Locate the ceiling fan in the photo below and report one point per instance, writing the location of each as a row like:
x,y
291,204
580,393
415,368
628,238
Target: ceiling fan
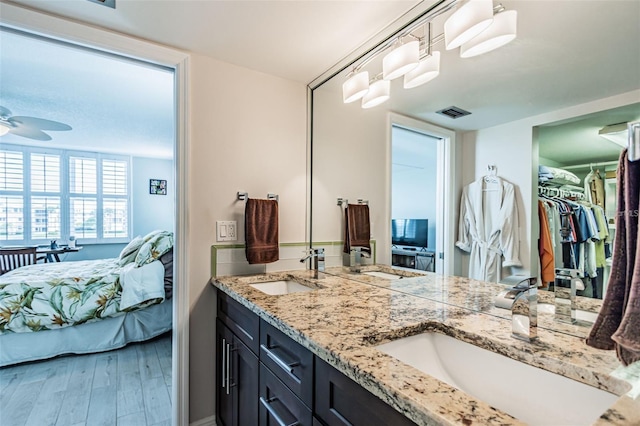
x,y
28,127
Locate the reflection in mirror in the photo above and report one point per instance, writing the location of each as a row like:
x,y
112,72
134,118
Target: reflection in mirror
x,y
522,97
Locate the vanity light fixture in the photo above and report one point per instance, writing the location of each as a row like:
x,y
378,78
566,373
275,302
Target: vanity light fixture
x,y
379,92
427,70
473,27
402,59
501,31
468,21
356,86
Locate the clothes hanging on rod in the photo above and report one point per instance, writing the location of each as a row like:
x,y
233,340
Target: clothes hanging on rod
x,y
594,188
488,227
618,321
577,233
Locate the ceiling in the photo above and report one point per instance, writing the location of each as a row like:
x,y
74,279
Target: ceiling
x,y
567,52
296,40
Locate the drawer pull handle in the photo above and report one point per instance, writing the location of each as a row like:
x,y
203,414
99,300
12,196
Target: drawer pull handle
x,y
267,404
228,366
286,366
223,364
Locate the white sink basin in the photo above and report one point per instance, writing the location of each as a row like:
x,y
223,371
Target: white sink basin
x,y
384,275
548,308
278,288
532,395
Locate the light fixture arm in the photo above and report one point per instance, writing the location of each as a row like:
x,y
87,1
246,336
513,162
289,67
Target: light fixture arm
x,y
442,7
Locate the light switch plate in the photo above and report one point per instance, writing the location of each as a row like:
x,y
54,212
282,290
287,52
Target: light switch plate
x,y
226,230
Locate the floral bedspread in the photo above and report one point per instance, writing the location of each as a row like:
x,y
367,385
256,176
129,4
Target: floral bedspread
x,y
55,295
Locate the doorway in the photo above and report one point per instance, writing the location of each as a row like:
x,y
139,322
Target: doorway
x,y
420,172
155,161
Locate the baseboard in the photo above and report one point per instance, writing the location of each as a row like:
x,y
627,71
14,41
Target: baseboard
x,y
207,421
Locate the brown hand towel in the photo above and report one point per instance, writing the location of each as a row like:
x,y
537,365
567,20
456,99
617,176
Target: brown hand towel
x,y
261,231
357,227
618,323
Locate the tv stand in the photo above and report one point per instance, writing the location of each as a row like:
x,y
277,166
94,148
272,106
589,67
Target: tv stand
x,y
411,257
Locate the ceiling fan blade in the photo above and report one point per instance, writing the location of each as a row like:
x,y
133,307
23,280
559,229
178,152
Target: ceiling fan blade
x,y
5,112
41,123
30,132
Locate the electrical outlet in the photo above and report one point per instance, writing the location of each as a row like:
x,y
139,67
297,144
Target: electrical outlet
x,y
226,230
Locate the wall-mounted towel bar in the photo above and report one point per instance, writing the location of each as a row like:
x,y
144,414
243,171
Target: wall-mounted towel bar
x,y
345,202
244,196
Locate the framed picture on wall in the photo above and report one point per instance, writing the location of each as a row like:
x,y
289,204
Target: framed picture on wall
x,y
157,187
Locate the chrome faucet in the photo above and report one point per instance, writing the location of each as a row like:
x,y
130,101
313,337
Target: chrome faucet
x,y
564,289
524,311
355,258
318,259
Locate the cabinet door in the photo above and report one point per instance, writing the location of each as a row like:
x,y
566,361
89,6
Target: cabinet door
x,y
341,401
244,382
224,396
237,370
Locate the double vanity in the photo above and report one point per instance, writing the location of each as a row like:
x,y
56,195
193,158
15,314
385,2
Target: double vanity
x,y
339,347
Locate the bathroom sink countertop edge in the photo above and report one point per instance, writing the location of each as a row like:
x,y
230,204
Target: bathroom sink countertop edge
x,y
342,320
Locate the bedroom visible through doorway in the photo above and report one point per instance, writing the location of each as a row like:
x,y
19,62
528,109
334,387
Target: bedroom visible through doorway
x,y
103,179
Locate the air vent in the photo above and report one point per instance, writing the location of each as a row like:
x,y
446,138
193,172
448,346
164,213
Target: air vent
x,y
109,3
453,112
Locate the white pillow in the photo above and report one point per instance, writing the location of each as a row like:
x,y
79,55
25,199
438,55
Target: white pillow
x,y
129,253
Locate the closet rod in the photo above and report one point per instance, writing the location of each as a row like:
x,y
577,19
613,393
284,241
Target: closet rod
x,y
587,165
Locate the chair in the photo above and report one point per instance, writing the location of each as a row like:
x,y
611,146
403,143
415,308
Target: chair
x,y
12,258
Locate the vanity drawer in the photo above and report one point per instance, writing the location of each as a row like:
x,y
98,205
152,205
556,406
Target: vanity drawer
x,y
288,360
341,401
278,405
240,320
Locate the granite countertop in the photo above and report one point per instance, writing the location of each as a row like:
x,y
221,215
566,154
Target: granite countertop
x,y
345,317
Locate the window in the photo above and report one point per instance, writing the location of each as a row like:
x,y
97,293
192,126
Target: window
x,y
52,194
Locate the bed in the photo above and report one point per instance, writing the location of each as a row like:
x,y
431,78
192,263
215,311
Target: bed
x,y
87,306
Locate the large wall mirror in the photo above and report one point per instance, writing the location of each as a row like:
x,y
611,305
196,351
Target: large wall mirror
x,y
542,99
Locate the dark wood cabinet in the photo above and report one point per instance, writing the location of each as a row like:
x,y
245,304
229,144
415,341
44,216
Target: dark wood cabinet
x,y
263,377
341,401
237,380
278,404
288,361
237,364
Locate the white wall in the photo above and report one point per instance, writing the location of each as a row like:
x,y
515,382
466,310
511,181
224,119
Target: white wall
x,y
351,159
248,133
512,148
151,212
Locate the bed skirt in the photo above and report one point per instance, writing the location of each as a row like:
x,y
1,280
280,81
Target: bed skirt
x,y
99,336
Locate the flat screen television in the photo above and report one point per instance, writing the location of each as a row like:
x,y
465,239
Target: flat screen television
x,y
410,232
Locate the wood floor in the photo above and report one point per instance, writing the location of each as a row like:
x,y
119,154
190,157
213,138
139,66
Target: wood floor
x,y
128,386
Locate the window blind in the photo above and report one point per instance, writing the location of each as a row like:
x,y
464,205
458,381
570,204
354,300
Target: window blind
x,y
48,194
11,171
45,173
114,177
83,176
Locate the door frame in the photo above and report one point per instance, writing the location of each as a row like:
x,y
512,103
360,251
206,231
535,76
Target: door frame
x,y
445,208
56,28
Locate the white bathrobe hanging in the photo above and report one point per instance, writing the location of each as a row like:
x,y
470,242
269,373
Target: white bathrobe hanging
x,y
488,227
